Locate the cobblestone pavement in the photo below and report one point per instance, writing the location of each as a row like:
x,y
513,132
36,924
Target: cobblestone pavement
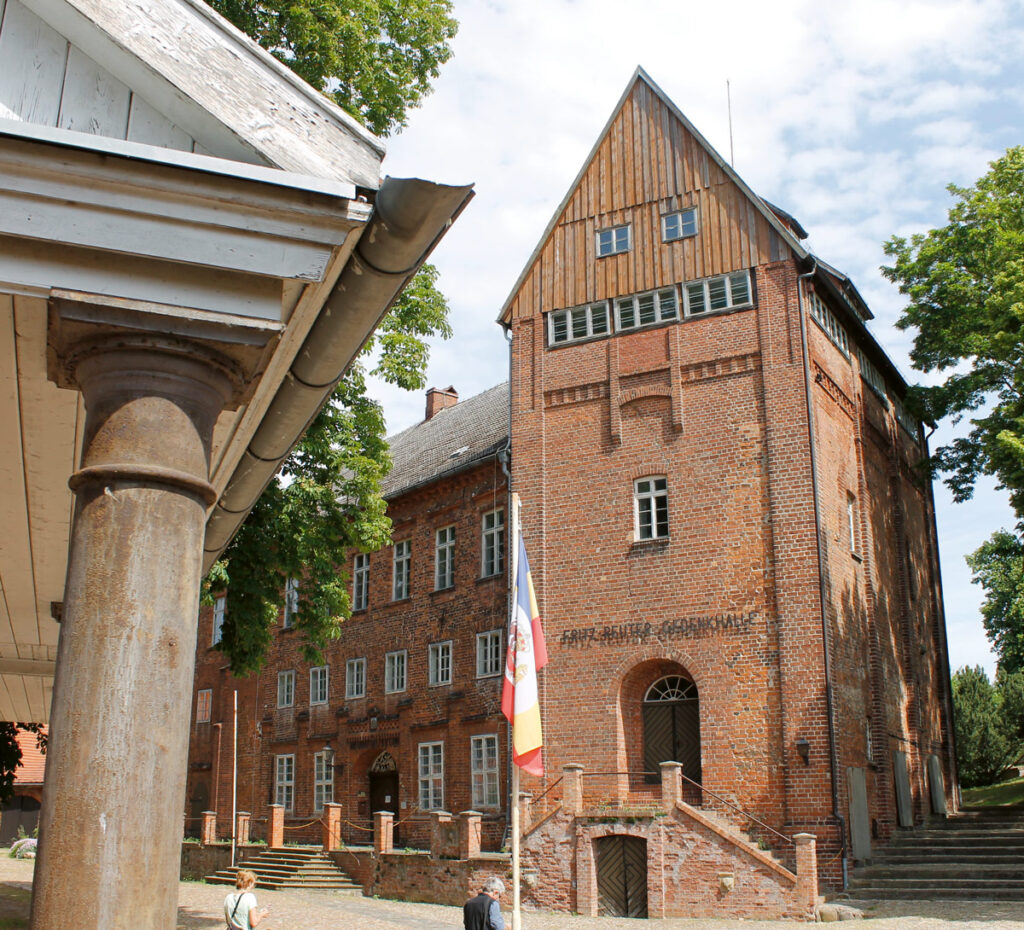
x,y
200,907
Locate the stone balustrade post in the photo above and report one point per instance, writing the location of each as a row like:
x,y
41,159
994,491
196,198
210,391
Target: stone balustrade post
x,y
243,821
806,871
525,811
572,788
671,784
439,821
469,834
275,827
208,831
332,826
383,832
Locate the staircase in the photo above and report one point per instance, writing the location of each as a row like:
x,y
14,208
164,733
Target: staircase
x,y
290,867
976,855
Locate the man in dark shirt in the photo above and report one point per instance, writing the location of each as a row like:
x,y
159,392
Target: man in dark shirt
x,y
483,911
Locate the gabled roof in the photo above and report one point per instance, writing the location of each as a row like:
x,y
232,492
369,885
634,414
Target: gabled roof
x,y
639,76
450,441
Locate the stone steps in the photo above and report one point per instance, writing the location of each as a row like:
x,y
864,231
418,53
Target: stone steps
x,y
290,867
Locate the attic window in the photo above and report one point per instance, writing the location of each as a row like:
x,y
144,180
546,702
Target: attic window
x,y
679,225
460,451
613,240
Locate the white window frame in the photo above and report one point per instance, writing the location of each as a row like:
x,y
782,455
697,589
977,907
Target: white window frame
x,y
663,307
851,520
439,663
291,602
488,653
829,323
483,764
284,781
220,611
204,705
647,493
492,543
323,780
355,678
430,769
319,684
286,688
731,284
396,671
610,241
444,558
579,323
360,581
401,570
687,224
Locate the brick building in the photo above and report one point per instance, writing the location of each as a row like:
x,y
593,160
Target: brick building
x,y
735,560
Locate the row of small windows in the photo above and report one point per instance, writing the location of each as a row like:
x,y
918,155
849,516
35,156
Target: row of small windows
x,y
614,240
483,767
723,292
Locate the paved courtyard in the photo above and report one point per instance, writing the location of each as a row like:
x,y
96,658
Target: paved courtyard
x,y
200,907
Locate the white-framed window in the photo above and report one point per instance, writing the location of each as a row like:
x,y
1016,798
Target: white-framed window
x,y
291,602
679,225
905,420
646,309
488,654
355,678
400,570
204,703
492,543
444,558
724,292
483,765
318,681
829,322
285,688
220,611
613,240
323,780
851,520
394,671
439,663
284,782
870,373
360,581
431,776
650,510
578,323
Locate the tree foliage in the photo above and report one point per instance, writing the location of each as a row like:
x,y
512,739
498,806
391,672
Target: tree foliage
x,y
998,566
376,58
10,752
989,723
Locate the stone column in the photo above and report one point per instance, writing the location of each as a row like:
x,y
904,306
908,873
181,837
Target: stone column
x,y
572,788
243,820
332,826
116,765
671,784
275,827
208,831
383,832
469,834
806,871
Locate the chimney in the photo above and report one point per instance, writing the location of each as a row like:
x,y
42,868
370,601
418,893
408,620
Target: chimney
x,y
438,399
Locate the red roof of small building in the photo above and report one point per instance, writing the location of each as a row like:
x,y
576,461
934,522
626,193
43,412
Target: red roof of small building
x,y
33,762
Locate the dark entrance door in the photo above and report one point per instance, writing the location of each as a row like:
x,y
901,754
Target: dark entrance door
x,y
384,786
672,727
621,876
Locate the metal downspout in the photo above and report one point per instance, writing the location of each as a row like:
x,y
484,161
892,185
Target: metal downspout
x,y
822,594
505,457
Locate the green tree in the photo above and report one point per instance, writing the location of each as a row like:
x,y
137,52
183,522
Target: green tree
x,y
998,566
10,752
376,58
985,741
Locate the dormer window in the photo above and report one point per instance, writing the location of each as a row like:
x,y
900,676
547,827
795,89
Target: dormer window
x,y
613,240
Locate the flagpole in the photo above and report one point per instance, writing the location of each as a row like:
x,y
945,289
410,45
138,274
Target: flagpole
x,y
514,800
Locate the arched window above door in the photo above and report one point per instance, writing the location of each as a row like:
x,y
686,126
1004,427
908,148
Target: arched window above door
x,y
671,688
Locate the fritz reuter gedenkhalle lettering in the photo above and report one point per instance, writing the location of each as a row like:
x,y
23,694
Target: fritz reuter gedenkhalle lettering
x,y
680,628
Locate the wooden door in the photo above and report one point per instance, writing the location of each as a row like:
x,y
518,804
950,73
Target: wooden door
x,y
621,876
672,734
384,794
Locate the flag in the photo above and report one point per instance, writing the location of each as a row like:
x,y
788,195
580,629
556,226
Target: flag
x,y
527,655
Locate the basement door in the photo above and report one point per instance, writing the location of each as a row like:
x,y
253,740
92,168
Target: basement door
x,y
621,876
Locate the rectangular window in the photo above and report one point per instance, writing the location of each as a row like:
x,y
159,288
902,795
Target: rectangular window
x,y
679,225
220,610
851,520
483,763
488,654
613,240
439,663
284,782
318,685
360,581
493,543
444,558
829,322
578,323
394,672
905,420
431,776
291,602
323,780
355,678
204,700
873,377
646,309
725,292
285,689
401,568
650,496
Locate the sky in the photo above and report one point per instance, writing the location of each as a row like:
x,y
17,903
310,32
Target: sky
x,y
852,116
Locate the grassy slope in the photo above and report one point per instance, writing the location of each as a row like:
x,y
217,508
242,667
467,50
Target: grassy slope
x,y
1005,794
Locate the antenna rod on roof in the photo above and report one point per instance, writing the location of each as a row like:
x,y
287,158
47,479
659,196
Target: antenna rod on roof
x,y
728,98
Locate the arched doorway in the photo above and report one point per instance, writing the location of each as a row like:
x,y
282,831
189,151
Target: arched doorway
x,y
621,876
384,786
671,712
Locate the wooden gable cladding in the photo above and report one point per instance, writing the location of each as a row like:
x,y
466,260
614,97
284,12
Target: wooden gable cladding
x,y
646,164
